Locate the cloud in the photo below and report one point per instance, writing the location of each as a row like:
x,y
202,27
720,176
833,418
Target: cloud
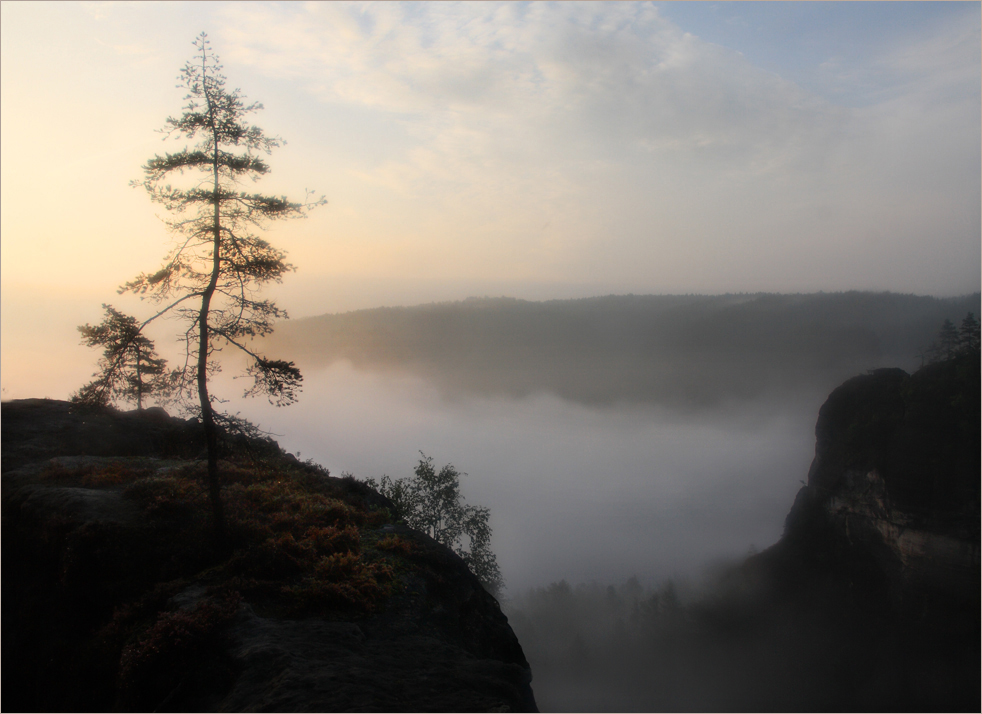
x,y
938,63
587,75
99,9
631,138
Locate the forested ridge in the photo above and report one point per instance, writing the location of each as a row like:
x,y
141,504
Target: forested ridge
x,y
685,351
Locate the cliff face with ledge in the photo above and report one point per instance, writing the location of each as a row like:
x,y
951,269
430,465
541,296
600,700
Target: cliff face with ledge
x,y
895,483
882,543
115,597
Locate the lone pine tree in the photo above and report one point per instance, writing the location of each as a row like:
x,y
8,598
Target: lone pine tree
x,y
211,278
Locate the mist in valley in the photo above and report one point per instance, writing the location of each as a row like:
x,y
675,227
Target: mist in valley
x,y
575,492
610,437
633,451
582,500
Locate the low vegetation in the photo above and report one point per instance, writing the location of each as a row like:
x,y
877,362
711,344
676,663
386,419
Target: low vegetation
x,y
158,595
430,501
297,538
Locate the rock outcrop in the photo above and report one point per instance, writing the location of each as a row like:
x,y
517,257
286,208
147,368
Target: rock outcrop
x,y
882,543
895,482
113,598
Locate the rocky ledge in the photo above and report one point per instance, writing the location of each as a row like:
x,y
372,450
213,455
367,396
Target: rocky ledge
x,y
896,479
114,597
881,546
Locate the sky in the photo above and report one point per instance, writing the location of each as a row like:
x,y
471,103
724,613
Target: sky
x,y
537,150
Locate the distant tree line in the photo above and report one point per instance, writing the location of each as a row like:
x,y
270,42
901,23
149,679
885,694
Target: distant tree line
x,y
734,646
691,352
953,341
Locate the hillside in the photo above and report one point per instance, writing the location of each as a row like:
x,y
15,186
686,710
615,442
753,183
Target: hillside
x,y
687,352
116,597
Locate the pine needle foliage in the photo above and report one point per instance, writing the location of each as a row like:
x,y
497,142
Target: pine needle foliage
x,y
129,369
953,341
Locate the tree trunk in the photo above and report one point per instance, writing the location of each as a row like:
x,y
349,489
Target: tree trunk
x,y
207,413
139,383
208,422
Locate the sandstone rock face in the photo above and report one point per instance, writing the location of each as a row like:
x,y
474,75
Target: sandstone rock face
x,y
915,559
74,553
35,430
882,544
895,482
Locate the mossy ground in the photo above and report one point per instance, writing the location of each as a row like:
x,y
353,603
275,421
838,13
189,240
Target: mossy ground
x,y
298,543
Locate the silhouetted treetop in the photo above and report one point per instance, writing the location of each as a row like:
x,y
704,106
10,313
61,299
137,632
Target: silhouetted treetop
x,y
129,369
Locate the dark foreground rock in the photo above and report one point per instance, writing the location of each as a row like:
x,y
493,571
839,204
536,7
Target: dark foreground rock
x,y
115,599
38,429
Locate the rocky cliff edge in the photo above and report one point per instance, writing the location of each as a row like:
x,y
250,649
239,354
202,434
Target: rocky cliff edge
x,y
880,555
116,598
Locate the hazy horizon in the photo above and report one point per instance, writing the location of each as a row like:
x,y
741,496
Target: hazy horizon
x,y
536,150
42,356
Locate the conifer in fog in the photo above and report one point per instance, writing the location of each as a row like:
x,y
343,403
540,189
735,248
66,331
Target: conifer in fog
x,y
968,334
211,278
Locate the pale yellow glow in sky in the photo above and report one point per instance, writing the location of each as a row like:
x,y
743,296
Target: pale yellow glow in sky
x,y
542,151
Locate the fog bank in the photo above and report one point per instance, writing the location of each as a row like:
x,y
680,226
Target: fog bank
x,y
575,492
